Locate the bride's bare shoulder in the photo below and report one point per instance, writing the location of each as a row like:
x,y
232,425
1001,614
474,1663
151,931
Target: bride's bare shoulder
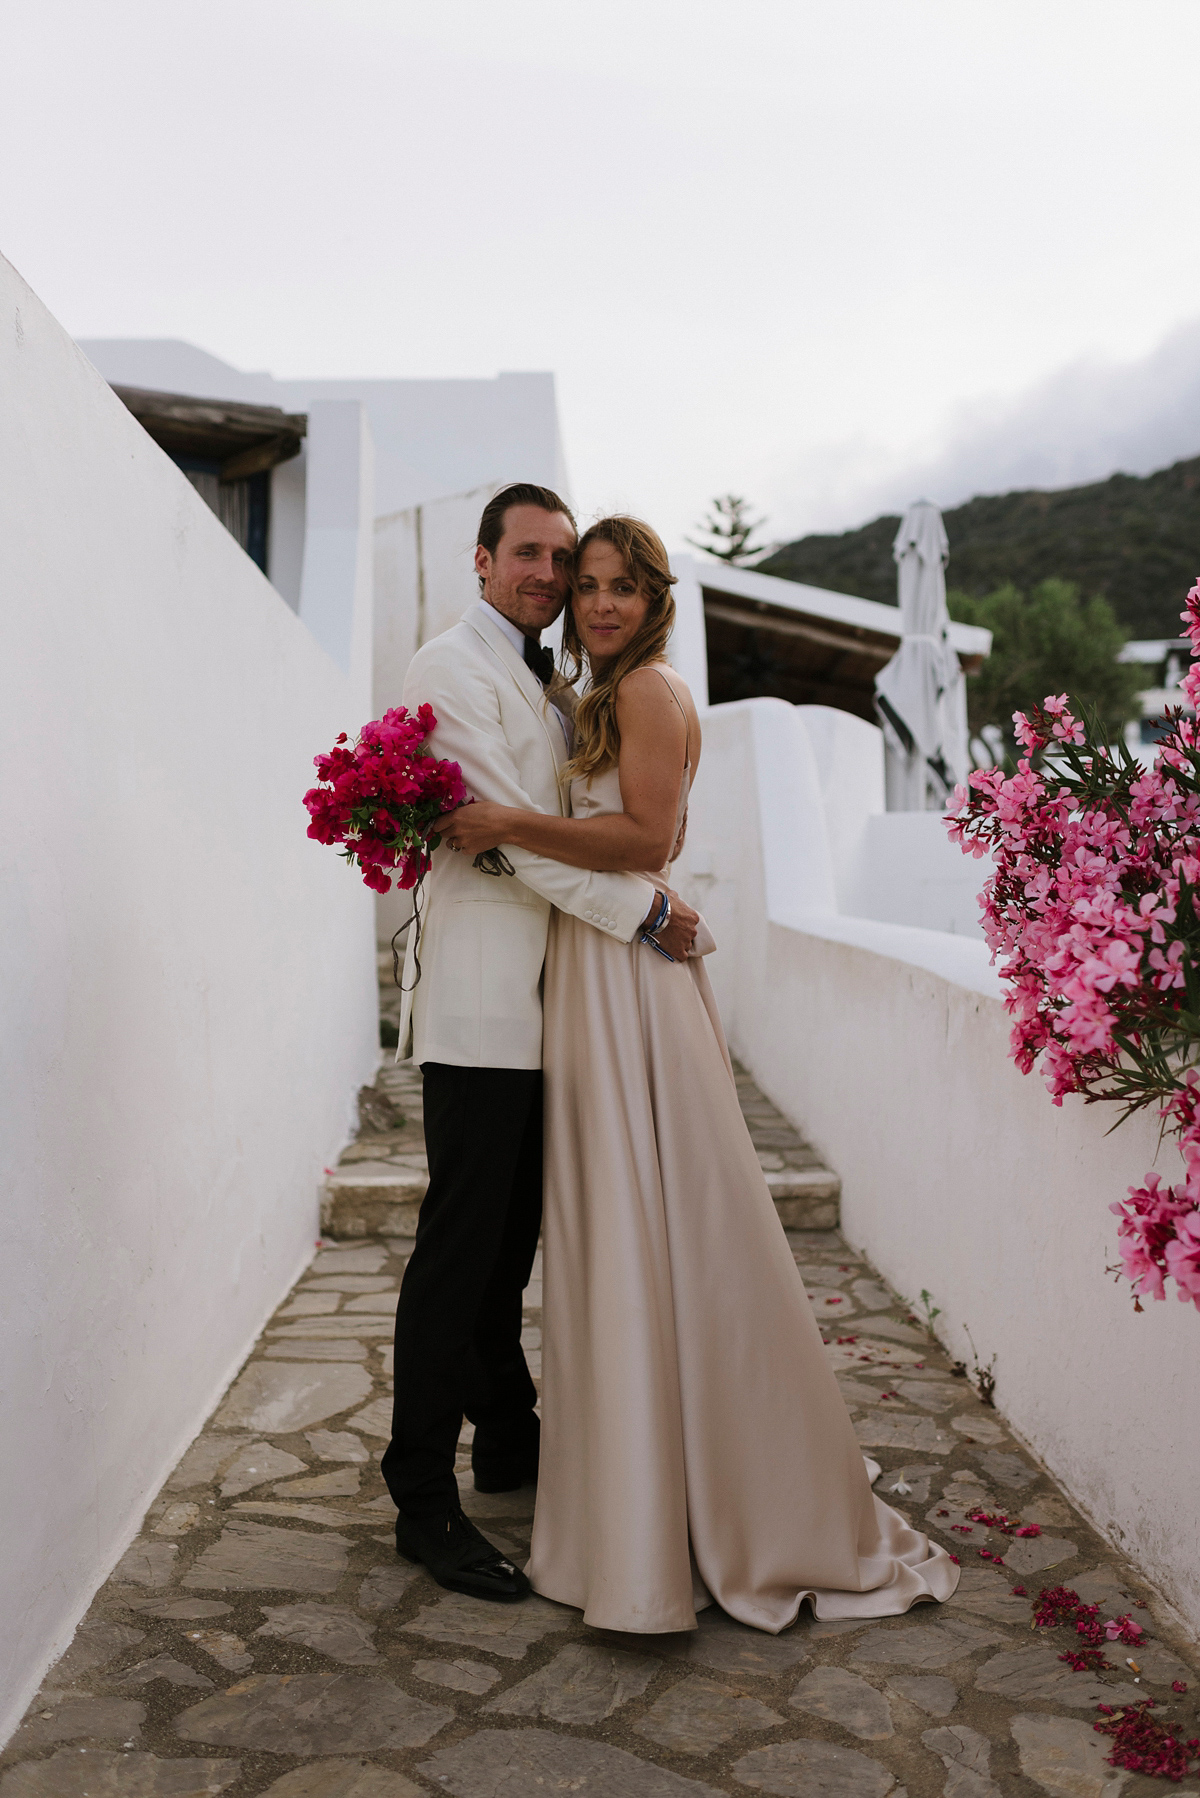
x,y
656,692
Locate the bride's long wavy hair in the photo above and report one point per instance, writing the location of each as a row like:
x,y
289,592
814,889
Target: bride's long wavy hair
x,y
597,737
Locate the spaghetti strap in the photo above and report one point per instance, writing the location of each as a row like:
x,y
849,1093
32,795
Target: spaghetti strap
x,y
687,729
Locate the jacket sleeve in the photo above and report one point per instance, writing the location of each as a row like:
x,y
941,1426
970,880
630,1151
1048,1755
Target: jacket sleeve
x,y
469,731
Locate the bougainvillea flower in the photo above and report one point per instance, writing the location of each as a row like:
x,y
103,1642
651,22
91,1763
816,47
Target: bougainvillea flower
x,y
380,796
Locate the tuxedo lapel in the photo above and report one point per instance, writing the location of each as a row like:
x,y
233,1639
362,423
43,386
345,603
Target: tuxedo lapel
x,y
526,681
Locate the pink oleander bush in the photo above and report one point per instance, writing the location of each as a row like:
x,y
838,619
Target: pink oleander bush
x,y
1094,908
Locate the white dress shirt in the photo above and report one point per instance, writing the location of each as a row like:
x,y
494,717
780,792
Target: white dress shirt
x,y
516,637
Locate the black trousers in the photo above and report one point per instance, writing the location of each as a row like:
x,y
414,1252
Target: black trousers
x,y
458,1321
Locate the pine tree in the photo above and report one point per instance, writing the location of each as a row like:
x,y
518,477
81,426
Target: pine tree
x,y
729,529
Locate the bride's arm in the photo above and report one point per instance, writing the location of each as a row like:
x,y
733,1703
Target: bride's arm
x,y
653,738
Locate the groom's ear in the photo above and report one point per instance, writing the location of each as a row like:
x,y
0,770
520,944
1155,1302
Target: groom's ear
x,y
483,564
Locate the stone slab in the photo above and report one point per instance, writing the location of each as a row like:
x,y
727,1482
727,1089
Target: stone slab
x,y
309,1348
517,1763
861,1354
329,1628
583,1684
352,1283
253,1557
311,1304
966,1756
299,1509
349,1261
846,1698
813,1770
926,1644
342,1779
830,1307
337,1445
732,1647
281,1396
910,1482
931,1395
889,1429
974,1427
698,1715
79,1717
1006,1470
313,1713
457,1676
344,1483
97,1773
333,1329
256,1465
95,1644
205,1459
895,1332
384,1587
178,1519
374,1419
1030,1554
504,1630
227,1650
146,1564
930,1692
989,1594
1065,1757
1034,1672
168,1669
874,1295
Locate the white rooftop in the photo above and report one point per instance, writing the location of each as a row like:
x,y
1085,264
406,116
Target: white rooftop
x,y
821,603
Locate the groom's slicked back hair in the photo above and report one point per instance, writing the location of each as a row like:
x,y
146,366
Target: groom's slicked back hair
x,y
520,493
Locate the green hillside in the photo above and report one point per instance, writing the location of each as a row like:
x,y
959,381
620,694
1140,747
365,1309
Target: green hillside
x,y
1134,538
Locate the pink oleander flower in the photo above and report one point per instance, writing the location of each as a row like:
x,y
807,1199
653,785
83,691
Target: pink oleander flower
x,y
1092,912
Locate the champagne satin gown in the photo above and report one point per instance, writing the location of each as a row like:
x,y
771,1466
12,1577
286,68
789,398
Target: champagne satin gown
x,y
695,1445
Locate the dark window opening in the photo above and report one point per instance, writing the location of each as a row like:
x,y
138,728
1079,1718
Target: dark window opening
x,y
244,507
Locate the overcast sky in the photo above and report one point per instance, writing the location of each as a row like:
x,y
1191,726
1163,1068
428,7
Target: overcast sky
x,y
830,253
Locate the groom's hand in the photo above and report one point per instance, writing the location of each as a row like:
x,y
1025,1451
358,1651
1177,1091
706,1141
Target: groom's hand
x,y
680,933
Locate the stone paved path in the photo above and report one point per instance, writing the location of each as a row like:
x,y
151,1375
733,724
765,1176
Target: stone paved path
x,y
262,1635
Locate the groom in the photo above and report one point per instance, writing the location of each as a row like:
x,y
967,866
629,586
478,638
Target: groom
x,y
476,1021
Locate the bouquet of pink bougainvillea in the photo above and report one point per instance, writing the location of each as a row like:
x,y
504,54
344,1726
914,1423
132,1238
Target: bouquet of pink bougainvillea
x,y
1094,904
378,796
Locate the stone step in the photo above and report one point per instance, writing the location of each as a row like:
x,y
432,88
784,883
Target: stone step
x,y
806,1198
371,1199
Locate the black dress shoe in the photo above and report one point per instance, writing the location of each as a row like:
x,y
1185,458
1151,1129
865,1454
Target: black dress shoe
x,y
458,1557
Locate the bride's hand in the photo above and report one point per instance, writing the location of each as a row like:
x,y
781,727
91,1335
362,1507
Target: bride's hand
x,y
472,828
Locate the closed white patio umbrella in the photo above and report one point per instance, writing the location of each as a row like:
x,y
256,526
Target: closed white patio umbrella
x,y
921,695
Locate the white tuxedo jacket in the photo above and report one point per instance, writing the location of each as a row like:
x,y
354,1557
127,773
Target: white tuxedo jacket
x,y
483,938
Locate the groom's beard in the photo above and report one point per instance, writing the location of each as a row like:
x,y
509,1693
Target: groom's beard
x,y
531,608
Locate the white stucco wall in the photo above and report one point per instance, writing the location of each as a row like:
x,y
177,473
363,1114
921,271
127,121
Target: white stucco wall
x,y
888,1046
187,982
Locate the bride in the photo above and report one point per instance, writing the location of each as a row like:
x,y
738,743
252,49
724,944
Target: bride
x,y
695,1445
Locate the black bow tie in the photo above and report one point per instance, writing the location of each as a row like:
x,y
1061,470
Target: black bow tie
x,y
540,660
